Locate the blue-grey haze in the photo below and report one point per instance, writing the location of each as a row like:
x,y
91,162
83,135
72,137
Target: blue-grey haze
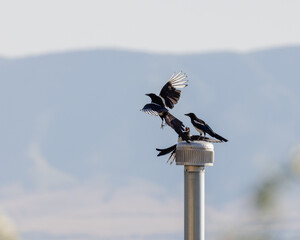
x,y
83,109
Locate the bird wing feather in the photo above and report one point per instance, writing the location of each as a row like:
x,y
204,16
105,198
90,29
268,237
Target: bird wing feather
x,y
177,125
170,92
153,109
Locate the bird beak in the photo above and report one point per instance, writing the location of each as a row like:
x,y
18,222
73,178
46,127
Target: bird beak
x,y
147,94
186,114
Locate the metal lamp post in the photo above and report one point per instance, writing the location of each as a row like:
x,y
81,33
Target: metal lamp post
x,y
194,156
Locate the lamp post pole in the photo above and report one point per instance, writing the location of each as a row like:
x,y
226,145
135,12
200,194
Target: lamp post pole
x,y
194,156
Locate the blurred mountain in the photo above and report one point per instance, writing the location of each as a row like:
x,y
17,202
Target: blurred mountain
x,y
75,116
82,108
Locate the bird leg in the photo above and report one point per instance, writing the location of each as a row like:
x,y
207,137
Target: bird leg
x,y
162,124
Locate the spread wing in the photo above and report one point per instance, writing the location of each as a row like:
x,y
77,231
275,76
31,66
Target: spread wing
x,y
153,109
170,92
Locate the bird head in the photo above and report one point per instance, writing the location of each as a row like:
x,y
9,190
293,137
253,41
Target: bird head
x,y
191,115
151,95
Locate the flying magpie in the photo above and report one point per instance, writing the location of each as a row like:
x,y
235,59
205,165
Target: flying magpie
x,y
204,128
168,96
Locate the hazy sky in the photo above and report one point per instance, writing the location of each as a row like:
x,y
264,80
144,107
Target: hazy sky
x,y
34,26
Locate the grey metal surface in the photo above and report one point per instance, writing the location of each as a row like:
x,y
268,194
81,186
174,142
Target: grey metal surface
x,y
191,203
194,156
202,202
197,153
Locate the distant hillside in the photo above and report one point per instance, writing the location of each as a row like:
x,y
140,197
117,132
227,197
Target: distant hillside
x,y
80,112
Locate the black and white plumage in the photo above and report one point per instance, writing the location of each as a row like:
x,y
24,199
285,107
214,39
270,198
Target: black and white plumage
x,y
176,124
154,109
173,122
168,150
204,128
169,94
172,149
198,137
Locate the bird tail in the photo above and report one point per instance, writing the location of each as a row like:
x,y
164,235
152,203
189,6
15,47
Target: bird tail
x,y
220,138
166,150
205,139
172,157
171,150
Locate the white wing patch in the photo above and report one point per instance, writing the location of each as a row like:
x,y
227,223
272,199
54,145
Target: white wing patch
x,y
163,100
199,130
198,122
149,111
178,80
153,109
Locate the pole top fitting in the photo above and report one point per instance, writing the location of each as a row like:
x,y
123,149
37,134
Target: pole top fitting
x,y
196,153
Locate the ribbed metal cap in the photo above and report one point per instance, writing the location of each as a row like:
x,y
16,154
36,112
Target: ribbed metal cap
x,y
197,153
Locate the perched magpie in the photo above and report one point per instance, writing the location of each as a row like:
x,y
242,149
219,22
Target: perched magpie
x,y
168,96
172,149
204,128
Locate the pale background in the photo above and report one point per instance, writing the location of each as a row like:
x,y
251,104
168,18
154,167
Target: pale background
x,y
35,27
78,159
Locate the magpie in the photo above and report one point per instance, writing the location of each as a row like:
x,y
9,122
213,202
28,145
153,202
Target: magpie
x,y
204,128
168,96
177,125
173,122
172,149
